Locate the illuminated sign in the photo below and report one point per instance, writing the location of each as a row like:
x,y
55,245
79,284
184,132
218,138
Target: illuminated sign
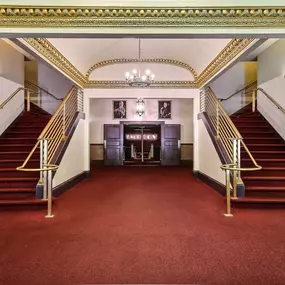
x,y
138,137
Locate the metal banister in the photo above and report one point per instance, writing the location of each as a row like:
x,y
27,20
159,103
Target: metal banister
x,y
230,138
29,92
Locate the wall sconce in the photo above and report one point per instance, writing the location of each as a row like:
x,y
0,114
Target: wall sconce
x,y
140,107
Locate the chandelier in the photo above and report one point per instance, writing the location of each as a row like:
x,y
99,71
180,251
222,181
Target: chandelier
x,y
136,79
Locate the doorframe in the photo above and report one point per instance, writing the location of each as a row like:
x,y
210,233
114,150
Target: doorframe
x,y
123,123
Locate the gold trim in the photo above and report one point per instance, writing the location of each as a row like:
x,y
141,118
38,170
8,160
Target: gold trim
x,y
51,54
156,84
59,16
144,60
232,49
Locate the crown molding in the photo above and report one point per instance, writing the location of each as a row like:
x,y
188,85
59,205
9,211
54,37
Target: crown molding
x,y
52,55
232,49
145,60
78,17
156,84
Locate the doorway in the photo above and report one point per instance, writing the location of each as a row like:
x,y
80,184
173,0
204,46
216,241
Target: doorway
x,y
142,144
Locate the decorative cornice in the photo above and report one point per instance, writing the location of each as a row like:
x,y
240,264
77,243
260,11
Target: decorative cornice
x,y
233,48
144,60
76,17
51,54
156,84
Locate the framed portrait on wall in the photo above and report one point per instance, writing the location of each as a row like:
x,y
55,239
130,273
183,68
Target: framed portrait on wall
x,y
164,109
119,109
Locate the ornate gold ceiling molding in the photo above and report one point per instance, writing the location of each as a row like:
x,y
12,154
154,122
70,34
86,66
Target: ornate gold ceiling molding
x,y
58,16
145,60
233,48
156,84
51,54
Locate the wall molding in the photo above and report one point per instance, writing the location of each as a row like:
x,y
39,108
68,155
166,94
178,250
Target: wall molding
x,y
54,56
217,186
144,60
141,17
70,183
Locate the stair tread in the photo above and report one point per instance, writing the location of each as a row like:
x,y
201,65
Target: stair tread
x,y
259,200
265,188
265,159
264,151
22,201
263,177
18,190
8,179
17,160
266,144
16,152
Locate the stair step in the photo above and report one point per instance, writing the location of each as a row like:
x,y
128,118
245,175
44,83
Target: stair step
x,y
15,182
265,153
259,200
24,140
17,154
16,162
265,146
260,140
30,201
14,147
18,190
268,171
263,181
264,162
13,172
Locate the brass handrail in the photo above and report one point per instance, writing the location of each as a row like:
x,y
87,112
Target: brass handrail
x,y
2,105
231,139
271,99
237,92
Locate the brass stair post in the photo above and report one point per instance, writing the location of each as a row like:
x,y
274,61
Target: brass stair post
x,y
49,192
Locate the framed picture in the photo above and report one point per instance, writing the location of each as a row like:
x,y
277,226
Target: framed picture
x,y
164,109
119,109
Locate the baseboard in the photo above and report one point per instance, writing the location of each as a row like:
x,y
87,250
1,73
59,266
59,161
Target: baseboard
x,y
97,162
217,186
65,186
186,162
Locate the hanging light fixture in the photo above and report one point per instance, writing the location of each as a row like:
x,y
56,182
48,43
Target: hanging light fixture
x,y
136,79
140,107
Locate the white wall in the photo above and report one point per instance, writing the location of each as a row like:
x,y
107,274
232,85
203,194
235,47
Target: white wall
x,y
73,161
271,71
55,83
209,161
227,84
11,78
101,113
147,94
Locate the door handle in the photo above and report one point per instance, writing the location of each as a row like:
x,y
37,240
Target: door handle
x,y
104,143
179,143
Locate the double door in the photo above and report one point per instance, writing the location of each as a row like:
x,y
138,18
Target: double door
x,y
114,144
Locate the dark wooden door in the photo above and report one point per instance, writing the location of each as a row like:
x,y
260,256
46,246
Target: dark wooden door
x,y
170,144
113,148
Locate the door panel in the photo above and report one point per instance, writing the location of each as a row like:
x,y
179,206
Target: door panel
x,y
170,144
113,150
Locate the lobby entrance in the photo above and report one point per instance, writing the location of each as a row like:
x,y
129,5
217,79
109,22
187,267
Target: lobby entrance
x,y
142,143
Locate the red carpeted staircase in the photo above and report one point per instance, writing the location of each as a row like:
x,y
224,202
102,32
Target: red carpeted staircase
x,y
266,186
18,188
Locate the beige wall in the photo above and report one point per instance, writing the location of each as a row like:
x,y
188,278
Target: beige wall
x,y
73,160
209,161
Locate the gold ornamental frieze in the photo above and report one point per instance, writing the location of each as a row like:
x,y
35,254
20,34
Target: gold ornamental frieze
x,y
57,16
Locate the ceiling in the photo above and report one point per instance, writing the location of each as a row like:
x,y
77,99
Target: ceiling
x,y
84,53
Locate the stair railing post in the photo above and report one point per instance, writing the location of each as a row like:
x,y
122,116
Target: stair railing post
x,y
64,123
228,194
49,200
41,161
218,122
28,100
235,162
253,100
238,160
45,162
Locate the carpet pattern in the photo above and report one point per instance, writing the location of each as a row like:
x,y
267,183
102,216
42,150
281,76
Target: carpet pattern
x,y
142,225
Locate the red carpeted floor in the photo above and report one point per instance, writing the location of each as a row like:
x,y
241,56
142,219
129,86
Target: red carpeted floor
x,y
142,225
